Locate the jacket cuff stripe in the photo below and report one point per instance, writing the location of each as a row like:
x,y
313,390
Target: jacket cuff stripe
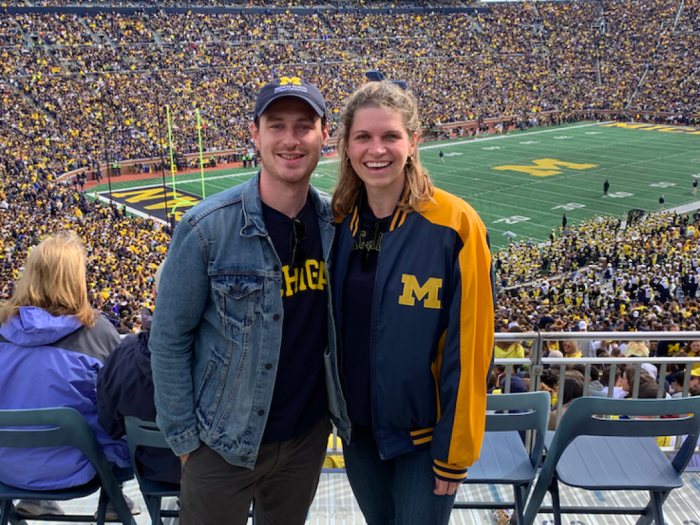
x,y
449,466
422,431
446,476
456,471
420,441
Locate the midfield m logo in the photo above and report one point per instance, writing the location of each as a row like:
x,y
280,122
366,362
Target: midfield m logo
x,y
545,167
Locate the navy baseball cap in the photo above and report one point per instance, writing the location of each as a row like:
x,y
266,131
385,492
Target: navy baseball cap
x,y
290,87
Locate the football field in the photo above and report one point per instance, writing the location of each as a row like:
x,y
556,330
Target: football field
x,y
520,183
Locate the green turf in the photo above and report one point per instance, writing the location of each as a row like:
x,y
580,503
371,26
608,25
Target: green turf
x,y
641,165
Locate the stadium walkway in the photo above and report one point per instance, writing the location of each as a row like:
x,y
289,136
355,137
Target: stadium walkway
x,y
335,504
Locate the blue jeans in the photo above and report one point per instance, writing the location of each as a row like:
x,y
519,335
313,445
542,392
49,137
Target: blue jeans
x,y
397,491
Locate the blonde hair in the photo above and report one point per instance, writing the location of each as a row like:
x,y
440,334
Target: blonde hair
x,y
637,348
54,280
573,345
389,96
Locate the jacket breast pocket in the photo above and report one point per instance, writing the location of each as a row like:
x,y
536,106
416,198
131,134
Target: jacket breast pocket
x,y
237,297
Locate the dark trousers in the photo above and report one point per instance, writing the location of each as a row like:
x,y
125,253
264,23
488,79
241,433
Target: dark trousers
x,y
283,483
397,491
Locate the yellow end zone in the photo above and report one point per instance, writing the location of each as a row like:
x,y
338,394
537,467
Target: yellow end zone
x,y
653,127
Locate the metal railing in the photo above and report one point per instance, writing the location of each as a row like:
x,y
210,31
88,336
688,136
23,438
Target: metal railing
x,y
536,364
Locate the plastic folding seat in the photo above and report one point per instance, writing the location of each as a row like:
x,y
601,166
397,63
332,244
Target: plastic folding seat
x,y
59,427
595,452
141,433
504,459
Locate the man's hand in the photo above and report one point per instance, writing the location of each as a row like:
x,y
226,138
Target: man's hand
x,y
443,488
183,458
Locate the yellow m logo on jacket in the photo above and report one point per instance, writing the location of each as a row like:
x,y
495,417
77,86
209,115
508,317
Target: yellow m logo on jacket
x,y
412,291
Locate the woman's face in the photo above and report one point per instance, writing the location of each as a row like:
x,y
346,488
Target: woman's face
x,y
624,384
695,347
568,347
378,146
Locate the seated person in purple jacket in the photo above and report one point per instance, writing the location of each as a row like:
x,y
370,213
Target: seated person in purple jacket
x,y
52,344
125,388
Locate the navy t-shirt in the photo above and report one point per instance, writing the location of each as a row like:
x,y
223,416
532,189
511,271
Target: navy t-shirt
x,y
299,399
358,292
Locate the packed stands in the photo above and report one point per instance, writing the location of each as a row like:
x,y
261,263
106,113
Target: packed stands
x,y
83,74
75,86
123,252
599,271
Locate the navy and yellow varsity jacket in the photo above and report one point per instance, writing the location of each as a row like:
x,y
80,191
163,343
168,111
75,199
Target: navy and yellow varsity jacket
x,y
431,332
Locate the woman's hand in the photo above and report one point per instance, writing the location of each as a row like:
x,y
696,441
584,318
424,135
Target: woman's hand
x,y
445,488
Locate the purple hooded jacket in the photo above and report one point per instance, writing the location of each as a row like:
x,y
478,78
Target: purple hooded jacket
x,y
45,362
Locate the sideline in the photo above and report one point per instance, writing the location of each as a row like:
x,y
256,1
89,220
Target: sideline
x,y
558,129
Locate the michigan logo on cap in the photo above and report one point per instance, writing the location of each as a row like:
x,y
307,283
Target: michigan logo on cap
x,y
290,84
290,80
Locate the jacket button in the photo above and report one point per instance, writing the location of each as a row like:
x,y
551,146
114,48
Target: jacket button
x,y
237,288
268,366
276,317
261,412
244,458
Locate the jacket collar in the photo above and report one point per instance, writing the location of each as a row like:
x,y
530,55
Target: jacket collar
x,y
254,223
397,218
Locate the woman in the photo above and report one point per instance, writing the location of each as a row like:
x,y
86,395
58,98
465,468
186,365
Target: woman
x,y
573,389
627,379
510,349
571,349
414,309
52,345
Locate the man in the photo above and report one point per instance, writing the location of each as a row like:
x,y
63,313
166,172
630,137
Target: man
x,y
695,186
661,203
442,156
242,325
606,187
669,348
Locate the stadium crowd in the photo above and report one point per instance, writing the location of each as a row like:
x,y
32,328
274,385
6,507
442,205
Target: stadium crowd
x,y
123,252
93,83
596,271
642,277
77,85
76,88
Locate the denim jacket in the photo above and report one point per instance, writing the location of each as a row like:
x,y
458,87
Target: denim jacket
x,y
217,327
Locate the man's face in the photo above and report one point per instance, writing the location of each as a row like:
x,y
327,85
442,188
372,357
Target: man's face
x,y
289,137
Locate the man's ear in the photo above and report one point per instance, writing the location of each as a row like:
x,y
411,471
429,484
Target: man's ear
x,y
255,132
325,134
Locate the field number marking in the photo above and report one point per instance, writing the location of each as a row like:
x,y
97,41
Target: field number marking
x,y
620,195
453,154
663,184
570,206
514,219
